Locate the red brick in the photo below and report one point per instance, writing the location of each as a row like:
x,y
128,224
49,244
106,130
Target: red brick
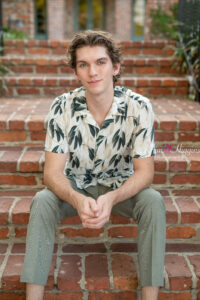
x,y
124,272
186,192
194,159
160,91
96,272
3,233
169,82
3,120
188,137
17,180
181,91
146,70
36,123
112,296
186,122
41,62
69,273
38,136
46,70
5,205
119,220
177,162
13,296
124,247
123,231
17,122
168,122
83,232
72,220
142,82
39,51
190,212
12,136
12,272
20,232
24,81
51,82
185,232
62,296
159,179
84,248
195,261
171,211
174,296
180,277
20,213
3,249
28,91
185,179
160,162
8,161
30,161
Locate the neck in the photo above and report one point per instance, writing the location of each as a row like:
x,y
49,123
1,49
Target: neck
x,y
99,105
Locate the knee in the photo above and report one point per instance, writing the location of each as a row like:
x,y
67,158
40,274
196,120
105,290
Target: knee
x,y
157,201
43,206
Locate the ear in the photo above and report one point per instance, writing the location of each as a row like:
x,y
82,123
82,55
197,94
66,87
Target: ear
x,y
116,68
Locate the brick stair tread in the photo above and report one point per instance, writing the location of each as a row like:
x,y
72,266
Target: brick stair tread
x,y
142,80
102,273
180,209
31,159
177,121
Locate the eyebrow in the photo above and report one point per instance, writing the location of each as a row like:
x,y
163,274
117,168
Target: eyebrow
x,y
84,61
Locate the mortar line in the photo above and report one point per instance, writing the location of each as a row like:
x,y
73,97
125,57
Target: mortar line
x,y
194,277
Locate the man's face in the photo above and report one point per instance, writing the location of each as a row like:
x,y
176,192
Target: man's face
x,y
94,69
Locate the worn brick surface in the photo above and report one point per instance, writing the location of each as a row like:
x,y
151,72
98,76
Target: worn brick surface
x,y
179,274
124,272
69,274
96,272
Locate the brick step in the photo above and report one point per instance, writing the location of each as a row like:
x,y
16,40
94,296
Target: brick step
x,y
182,215
43,48
57,65
22,167
177,122
40,86
99,271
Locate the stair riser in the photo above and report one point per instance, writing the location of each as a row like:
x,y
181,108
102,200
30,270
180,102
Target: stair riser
x,y
54,87
163,48
59,68
182,217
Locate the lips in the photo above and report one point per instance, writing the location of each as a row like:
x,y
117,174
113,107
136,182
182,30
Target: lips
x,y
94,81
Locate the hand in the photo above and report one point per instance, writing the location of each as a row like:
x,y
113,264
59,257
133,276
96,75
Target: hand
x,y
86,207
104,204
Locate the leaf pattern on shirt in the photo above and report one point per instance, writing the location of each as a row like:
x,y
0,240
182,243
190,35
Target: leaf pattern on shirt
x,y
105,154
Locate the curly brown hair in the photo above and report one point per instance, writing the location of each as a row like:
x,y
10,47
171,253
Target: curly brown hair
x,y
94,38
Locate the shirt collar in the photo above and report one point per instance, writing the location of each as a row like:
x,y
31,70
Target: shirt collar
x,y
118,108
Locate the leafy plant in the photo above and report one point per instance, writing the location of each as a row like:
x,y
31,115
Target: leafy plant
x,y
11,34
165,23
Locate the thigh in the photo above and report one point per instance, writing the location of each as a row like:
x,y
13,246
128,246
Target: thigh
x,y
134,206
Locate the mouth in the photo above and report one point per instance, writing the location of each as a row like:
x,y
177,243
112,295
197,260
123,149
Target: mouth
x,y
94,81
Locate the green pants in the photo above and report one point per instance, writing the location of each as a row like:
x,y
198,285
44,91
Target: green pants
x,y
47,210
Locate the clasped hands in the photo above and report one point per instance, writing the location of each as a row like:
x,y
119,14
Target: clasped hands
x,y
94,213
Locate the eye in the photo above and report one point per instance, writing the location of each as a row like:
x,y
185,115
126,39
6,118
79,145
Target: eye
x,y
101,62
82,65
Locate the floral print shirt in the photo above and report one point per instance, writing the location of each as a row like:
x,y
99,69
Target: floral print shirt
x,y
101,154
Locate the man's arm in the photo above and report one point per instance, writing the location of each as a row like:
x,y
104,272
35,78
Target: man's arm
x,y
140,179
58,183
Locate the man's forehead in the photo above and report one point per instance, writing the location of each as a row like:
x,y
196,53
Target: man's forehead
x,y
97,52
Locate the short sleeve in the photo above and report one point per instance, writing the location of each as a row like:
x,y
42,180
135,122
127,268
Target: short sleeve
x,y
143,139
56,128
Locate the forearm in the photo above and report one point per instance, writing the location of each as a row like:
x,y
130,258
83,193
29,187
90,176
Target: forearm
x,y
136,182
61,186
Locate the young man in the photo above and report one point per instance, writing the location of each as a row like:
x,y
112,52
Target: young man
x,y
106,135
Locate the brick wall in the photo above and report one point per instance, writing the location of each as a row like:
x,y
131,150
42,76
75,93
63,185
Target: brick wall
x,y
19,15
60,17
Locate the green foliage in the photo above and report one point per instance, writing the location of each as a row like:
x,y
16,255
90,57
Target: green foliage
x,y
165,23
11,34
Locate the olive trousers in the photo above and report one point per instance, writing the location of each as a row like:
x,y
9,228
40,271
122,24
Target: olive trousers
x,y
47,210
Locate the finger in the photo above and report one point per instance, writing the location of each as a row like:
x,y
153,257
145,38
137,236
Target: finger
x,y
94,207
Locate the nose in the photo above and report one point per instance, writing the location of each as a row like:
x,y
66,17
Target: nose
x,y
92,70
